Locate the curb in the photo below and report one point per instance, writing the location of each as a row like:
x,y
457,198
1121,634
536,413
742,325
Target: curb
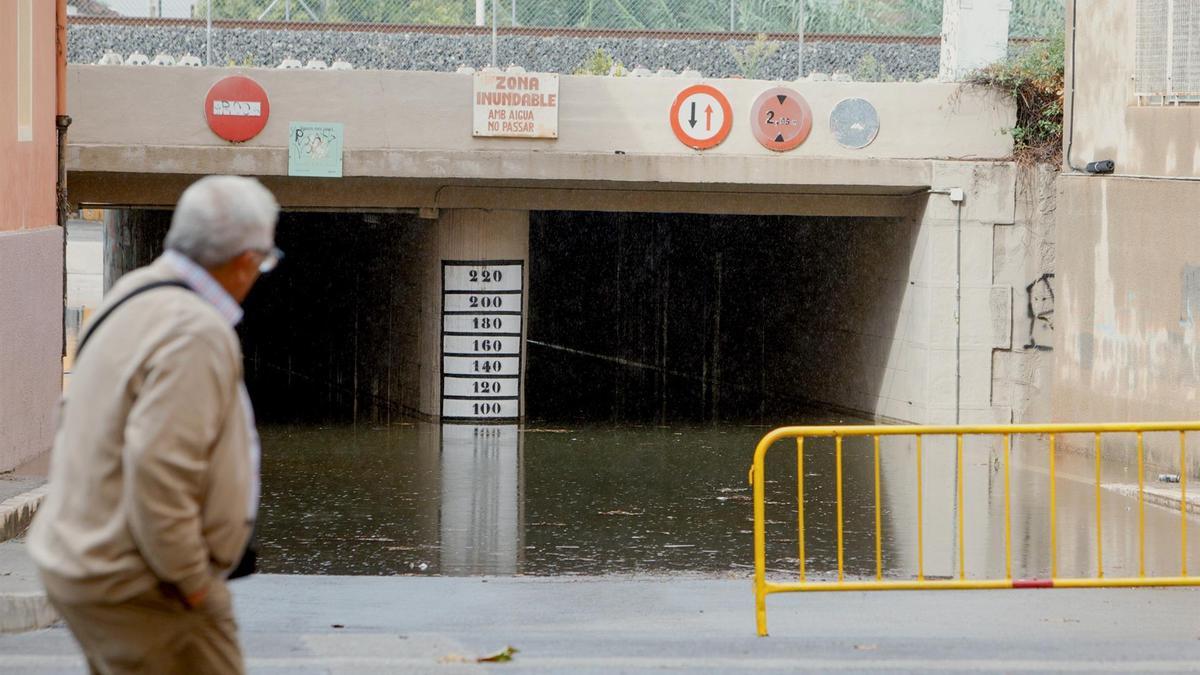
x,y
23,612
27,610
1158,496
17,513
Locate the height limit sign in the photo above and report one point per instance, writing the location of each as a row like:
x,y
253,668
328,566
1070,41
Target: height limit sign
x,y
701,117
780,119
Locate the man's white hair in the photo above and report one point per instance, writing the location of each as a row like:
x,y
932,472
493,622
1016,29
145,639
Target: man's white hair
x,y
219,217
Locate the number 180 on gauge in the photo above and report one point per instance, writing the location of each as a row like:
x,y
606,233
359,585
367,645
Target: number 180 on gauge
x,y
482,339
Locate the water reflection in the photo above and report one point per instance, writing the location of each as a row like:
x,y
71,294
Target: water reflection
x,y
482,524
462,500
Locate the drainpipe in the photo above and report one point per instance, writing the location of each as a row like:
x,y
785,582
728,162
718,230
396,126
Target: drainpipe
x,y
958,311
956,197
61,122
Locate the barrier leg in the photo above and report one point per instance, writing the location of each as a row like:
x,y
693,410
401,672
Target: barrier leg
x,y
760,610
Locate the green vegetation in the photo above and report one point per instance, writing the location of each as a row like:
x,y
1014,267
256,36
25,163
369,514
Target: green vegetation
x,y
750,59
1035,80
869,69
600,63
246,62
1030,18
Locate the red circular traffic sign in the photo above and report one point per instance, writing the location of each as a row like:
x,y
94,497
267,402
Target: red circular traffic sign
x,y
701,117
781,119
237,108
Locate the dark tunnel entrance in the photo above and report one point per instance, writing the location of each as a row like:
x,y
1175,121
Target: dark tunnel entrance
x,y
661,318
658,347
327,334
632,317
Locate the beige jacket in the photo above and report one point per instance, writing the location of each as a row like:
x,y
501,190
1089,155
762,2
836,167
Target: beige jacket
x,y
150,471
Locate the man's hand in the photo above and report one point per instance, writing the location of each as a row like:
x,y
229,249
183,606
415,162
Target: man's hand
x,y
196,599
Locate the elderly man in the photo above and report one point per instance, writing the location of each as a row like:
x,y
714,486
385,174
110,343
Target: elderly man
x,y
154,472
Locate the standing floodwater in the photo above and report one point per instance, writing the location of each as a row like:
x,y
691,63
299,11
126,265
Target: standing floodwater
x,y
579,499
596,499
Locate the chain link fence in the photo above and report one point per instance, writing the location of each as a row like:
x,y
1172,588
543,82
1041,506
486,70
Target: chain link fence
x,y
860,39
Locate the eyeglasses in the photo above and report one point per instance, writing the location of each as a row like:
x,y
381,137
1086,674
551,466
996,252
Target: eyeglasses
x,y
270,261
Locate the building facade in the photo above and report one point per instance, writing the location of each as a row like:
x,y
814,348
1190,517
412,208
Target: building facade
x,y
31,248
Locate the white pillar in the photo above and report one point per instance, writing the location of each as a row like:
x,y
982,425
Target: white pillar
x,y
480,12
464,236
974,35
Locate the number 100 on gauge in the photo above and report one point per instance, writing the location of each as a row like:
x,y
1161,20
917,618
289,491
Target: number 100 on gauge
x,y
482,339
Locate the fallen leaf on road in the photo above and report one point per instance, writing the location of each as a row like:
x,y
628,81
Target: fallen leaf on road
x,y
866,648
455,658
502,656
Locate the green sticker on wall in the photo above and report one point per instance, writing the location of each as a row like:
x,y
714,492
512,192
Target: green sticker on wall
x,y
315,149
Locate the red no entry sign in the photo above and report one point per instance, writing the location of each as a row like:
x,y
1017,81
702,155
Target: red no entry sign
x,y
701,117
780,119
237,108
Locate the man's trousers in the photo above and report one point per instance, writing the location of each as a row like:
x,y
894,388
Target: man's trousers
x,y
155,633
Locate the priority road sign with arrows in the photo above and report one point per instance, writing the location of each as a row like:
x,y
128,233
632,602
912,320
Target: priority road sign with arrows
x,y
780,119
701,117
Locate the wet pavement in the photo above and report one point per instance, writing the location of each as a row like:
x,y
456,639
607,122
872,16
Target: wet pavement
x,y
676,624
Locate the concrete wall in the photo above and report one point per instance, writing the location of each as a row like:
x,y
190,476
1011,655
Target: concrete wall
x,y
415,129
1024,260
31,322
31,259
1125,337
1107,122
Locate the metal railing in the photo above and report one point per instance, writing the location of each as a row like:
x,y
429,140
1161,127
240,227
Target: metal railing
x,y
763,587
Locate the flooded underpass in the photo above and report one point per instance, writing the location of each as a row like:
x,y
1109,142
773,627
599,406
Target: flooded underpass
x,y
660,350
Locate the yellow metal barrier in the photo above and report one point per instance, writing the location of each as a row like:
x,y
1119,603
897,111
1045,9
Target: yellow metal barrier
x,y
763,588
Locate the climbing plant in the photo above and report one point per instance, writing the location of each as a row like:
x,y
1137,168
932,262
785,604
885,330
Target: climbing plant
x,y
1034,78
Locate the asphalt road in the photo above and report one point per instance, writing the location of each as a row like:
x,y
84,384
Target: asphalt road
x,y
678,624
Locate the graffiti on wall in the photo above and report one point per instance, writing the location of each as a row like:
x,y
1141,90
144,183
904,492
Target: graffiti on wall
x,y
1040,307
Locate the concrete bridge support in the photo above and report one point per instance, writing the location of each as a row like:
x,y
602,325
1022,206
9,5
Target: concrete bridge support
x,y
974,35
468,236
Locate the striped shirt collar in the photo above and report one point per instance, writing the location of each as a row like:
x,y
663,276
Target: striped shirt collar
x,y
205,286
